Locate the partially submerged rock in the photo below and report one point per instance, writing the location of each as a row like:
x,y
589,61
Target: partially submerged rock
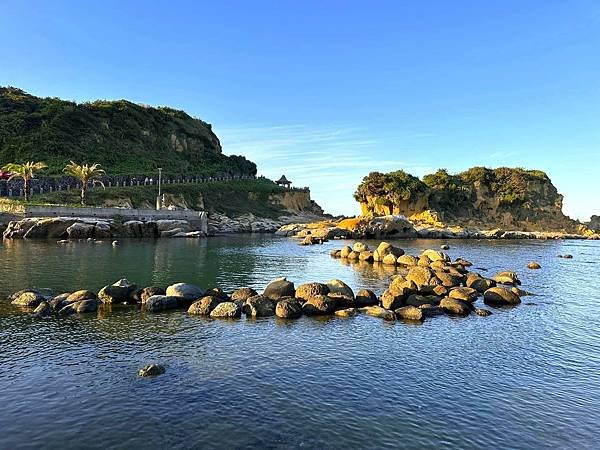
x,y
227,310
288,308
151,370
499,296
279,288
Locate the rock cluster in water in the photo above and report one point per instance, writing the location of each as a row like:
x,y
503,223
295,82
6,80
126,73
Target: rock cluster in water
x,y
74,228
427,285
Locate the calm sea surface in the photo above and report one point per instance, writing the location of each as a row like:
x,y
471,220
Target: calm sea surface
x,y
527,377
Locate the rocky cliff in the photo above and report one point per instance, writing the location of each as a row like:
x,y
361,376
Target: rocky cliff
x,y
509,198
594,224
122,136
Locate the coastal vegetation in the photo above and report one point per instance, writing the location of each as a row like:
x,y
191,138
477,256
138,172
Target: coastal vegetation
x,y
122,136
508,197
25,171
85,173
260,197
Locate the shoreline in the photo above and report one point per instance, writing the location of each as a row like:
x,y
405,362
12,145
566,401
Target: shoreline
x,y
300,227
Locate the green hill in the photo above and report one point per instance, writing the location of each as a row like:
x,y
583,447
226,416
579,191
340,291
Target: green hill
x,y
122,136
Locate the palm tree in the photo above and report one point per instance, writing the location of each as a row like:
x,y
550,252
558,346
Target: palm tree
x,y
25,171
85,174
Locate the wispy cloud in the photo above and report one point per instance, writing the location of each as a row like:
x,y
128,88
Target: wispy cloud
x,y
330,160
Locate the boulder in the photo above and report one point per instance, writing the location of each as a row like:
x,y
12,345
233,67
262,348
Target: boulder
x,y
435,255
243,294
389,260
431,311
463,262
288,308
29,299
400,286
366,256
43,309
307,291
418,300
390,300
319,305
499,296
347,312
419,275
339,287
84,306
353,256
440,291
160,303
407,260
279,288
80,295
119,292
465,294
259,306
335,254
479,283
410,313
219,293
449,280
345,251
185,291
366,297
226,310
378,311
151,370
342,301
81,230
59,301
204,306
507,277
81,306
149,291
455,307
534,265
359,247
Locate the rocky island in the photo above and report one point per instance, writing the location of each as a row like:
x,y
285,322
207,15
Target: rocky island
x,y
477,203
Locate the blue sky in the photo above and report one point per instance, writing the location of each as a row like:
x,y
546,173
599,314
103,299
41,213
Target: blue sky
x,y
326,91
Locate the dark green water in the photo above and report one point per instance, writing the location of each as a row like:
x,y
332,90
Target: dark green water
x,y
526,377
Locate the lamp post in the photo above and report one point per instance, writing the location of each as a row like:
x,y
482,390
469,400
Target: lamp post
x,y
158,199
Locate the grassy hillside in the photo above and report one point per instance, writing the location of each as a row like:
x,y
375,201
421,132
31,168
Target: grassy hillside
x,y
231,198
122,136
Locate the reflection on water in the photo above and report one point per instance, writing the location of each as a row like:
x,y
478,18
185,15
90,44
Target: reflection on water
x,y
523,378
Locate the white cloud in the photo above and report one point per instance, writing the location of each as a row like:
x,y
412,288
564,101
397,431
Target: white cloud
x,y
330,160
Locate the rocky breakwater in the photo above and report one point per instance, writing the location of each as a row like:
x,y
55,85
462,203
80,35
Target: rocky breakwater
x,y
424,225
351,228
91,228
427,285
431,284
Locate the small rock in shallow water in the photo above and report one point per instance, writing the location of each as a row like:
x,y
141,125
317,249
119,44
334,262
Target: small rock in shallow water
x,y
445,247
348,312
483,312
151,370
566,256
43,310
115,243
534,265
288,309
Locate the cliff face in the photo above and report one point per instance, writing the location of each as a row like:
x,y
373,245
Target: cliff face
x,y
594,224
122,136
507,198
